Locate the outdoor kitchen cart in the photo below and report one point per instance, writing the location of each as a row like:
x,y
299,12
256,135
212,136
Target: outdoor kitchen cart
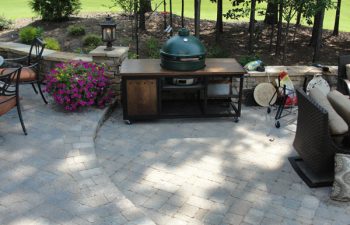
x,y
146,88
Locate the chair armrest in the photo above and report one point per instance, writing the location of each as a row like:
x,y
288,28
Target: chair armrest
x,y
343,86
17,59
15,62
32,66
347,83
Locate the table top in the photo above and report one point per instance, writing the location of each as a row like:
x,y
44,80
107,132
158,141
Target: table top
x,y
1,60
151,67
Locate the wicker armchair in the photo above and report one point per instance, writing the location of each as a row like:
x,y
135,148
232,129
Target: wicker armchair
x,y
314,144
343,81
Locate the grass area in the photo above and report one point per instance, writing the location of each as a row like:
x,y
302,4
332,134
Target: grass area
x,y
11,9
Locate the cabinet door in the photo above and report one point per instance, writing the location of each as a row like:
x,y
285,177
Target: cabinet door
x,y
142,97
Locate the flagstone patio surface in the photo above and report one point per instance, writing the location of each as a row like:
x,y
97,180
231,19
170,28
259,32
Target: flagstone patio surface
x,y
160,172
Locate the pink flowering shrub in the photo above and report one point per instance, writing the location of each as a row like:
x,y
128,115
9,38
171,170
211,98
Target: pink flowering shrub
x,y
77,84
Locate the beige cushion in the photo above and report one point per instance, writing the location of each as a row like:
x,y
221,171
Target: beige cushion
x,y
341,185
336,124
27,74
341,104
348,71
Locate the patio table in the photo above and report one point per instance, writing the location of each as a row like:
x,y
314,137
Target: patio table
x,y
146,90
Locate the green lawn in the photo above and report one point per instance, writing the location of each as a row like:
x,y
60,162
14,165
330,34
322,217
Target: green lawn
x,y
11,9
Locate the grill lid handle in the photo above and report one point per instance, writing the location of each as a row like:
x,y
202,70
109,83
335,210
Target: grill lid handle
x,y
184,32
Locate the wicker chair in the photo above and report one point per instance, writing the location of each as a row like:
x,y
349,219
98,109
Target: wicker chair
x,y
343,81
314,144
9,94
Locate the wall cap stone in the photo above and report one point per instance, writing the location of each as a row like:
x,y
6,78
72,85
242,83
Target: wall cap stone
x,y
293,71
67,56
19,48
117,52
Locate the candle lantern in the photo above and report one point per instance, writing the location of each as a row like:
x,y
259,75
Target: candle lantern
x,y
108,32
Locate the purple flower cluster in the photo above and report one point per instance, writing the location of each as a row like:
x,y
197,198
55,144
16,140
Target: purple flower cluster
x,y
76,84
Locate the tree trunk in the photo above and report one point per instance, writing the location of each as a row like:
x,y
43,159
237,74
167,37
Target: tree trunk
x,y
337,18
272,34
251,25
300,10
197,17
182,13
142,11
271,15
318,38
219,25
148,5
136,26
315,29
279,28
286,37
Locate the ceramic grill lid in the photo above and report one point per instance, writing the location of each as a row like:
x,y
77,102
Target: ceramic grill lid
x,y
183,52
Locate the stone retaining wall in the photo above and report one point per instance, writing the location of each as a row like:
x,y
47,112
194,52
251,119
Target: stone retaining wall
x,y
297,73
51,58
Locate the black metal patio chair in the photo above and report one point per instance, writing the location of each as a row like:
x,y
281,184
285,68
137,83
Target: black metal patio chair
x,y
9,97
31,66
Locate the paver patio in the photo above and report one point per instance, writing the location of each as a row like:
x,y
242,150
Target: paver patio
x,y
52,176
164,172
213,171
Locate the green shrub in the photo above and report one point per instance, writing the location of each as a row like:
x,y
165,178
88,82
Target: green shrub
x,y
76,30
247,58
52,43
28,34
217,52
5,23
152,45
54,10
88,49
92,40
132,55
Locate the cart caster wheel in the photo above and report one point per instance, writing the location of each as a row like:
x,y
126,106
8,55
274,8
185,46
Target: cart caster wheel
x,y
277,124
236,119
128,122
268,110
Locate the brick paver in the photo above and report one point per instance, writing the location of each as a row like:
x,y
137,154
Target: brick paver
x,y
164,172
52,176
213,171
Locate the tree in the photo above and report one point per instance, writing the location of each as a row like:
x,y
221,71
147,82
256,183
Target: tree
x,y
291,7
251,25
243,8
337,18
219,23
128,6
271,14
197,16
279,27
300,12
53,10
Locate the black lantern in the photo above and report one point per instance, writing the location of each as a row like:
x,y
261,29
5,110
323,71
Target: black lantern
x,y
108,32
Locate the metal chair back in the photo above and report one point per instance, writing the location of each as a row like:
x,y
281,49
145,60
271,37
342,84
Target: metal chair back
x,y
9,83
36,51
